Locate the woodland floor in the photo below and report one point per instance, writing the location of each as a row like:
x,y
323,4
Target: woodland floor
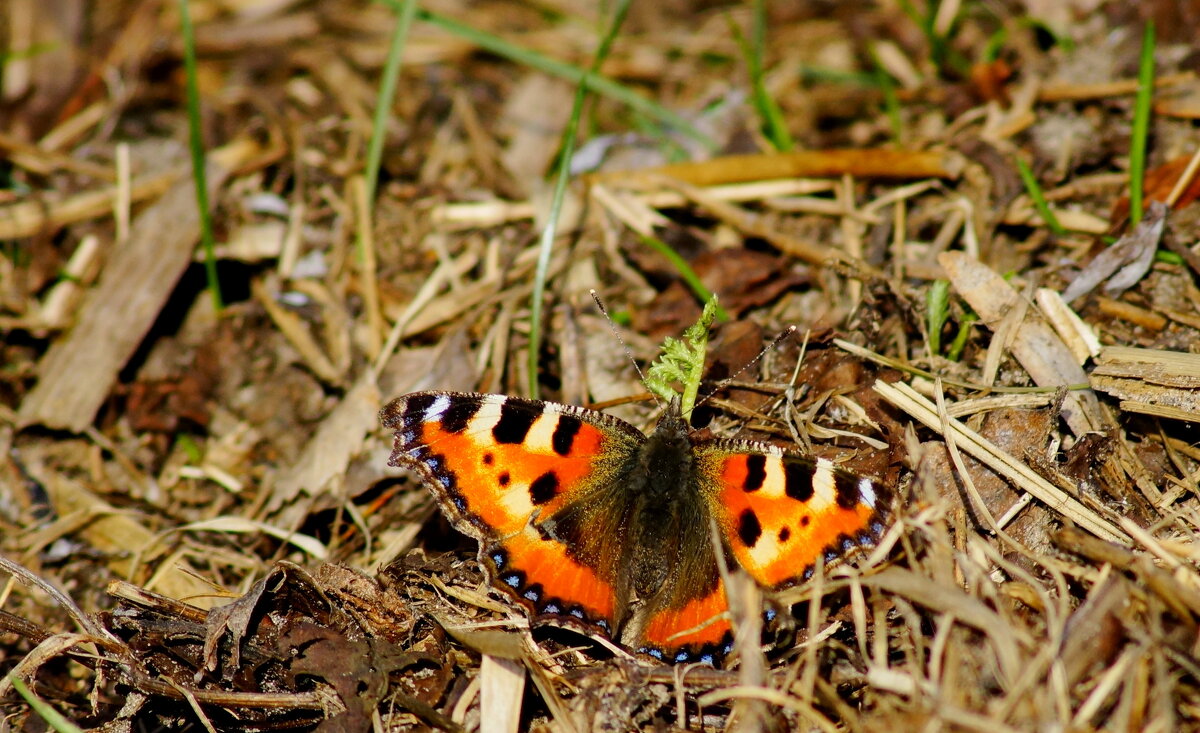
x,y
982,325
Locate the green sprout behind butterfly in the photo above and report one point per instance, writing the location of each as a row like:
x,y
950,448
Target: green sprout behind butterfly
x,y
682,361
938,313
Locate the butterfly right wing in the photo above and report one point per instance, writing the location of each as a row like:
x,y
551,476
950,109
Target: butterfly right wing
x,y
500,467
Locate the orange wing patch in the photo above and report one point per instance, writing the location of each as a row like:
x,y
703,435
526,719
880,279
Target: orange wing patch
x,y
780,512
549,581
502,485
699,630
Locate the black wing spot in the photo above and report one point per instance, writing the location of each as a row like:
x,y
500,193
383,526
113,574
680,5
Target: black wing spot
x,y
514,423
504,478
848,495
797,480
749,529
564,434
488,459
416,406
785,534
805,520
544,488
756,472
460,412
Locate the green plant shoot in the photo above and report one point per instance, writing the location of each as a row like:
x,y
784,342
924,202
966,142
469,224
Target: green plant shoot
x,y
682,362
937,306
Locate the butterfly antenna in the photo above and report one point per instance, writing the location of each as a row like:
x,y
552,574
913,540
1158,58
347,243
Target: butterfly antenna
x,y
789,331
799,360
612,326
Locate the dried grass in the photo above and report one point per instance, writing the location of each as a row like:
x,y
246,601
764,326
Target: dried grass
x,y
176,477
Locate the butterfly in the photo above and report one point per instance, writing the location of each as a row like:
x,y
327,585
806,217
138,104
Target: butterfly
x,y
589,523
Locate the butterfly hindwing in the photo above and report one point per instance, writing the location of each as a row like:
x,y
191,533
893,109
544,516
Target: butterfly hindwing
x,y
699,630
500,466
779,511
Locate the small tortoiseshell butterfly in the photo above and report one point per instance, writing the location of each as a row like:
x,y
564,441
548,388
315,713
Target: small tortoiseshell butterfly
x,y
590,523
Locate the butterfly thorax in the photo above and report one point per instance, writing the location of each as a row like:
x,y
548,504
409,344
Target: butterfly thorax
x,y
665,459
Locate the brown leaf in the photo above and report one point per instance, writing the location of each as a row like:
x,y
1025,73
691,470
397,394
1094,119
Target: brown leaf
x,y
744,279
671,311
349,666
989,80
1015,431
1158,184
1125,262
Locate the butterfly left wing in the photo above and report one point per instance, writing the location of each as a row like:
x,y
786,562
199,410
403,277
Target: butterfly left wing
x,y
779,511
497,465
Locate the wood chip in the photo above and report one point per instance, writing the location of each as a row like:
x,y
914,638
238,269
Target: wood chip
x,y
1060,92
27,218
115,533
296,331
1150,381
78,371
1079,337
1034,344
325,457
502,687
1131,313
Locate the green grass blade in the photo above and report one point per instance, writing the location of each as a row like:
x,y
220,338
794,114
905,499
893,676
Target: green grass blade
x,y
196,146
546,243
598,84
686,272
1039,199
937,310
753,50
954,353
1141,126
52,717
995,43
33,50
941,53
891,102
387,93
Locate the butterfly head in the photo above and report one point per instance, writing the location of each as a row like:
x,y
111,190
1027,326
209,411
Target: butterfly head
x,y
672,417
